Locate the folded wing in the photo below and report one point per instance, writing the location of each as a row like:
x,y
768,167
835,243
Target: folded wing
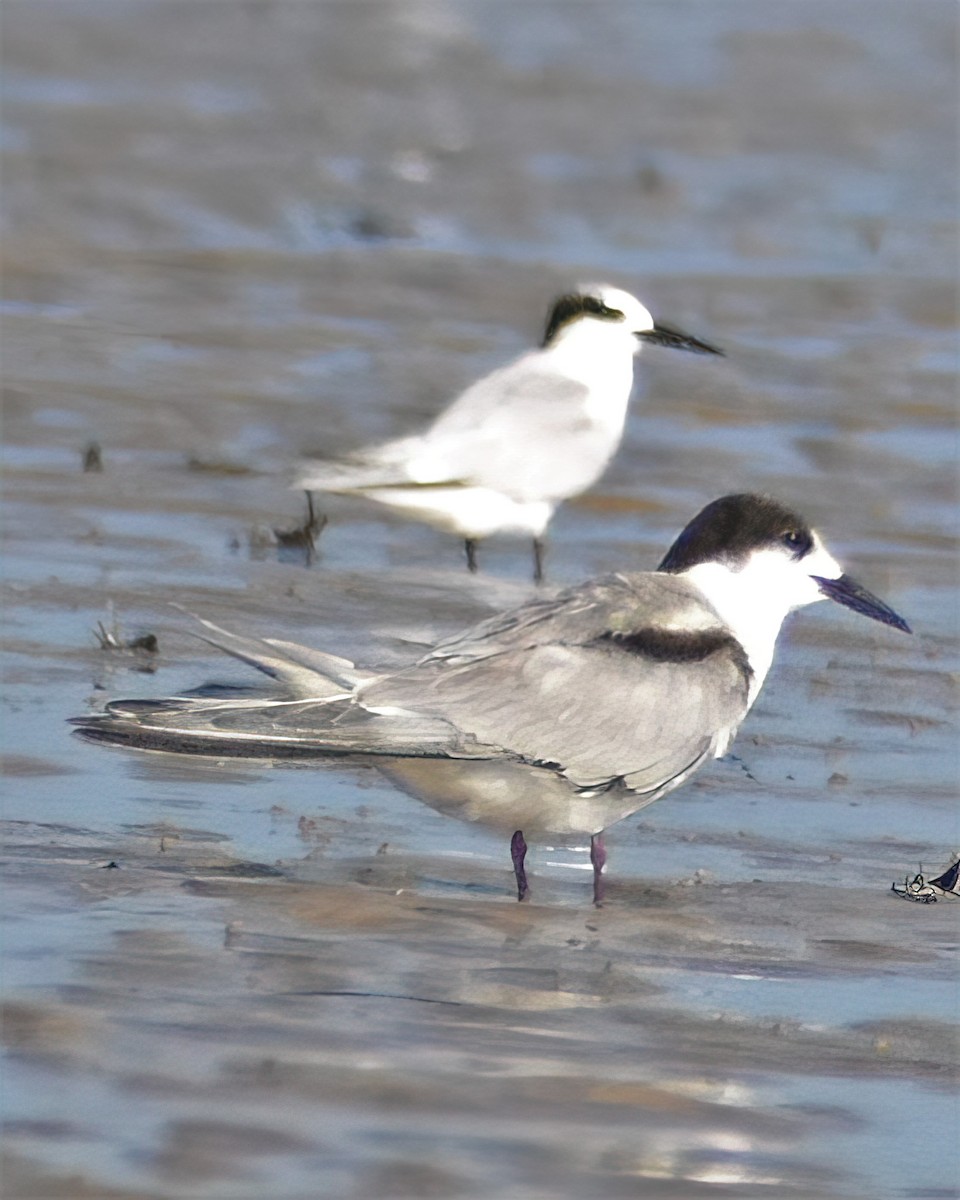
x,y
578,685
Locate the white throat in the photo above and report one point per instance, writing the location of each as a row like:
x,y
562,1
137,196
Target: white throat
x,y
749,616
589,350
600,356
754,599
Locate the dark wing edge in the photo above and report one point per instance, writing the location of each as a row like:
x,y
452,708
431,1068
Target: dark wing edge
x,y
265,729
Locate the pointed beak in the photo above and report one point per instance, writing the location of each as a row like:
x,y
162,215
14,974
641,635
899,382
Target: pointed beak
x,y
676,339
853,595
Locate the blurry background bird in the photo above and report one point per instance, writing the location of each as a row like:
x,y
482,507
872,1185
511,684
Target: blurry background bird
x,y
523,439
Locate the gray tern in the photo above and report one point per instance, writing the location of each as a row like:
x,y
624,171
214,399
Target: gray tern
x,y
521,440
561,716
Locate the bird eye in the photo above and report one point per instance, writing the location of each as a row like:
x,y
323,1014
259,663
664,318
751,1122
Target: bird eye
x,y
598,309
795,540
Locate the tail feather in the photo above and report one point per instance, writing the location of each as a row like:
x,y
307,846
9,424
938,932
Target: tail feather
x,y
340,670
306,673
376,467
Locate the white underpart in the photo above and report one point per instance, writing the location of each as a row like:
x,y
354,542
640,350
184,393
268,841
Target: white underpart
x,y
474,512
598,354
754,598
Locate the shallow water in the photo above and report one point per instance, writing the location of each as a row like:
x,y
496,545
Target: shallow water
x,y
238,232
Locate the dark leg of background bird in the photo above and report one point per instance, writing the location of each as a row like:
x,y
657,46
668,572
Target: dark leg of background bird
x,y
304,537
315,522
518,852
470,545
538,548
598,856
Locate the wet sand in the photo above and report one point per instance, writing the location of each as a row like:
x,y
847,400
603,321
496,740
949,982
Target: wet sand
x,y
237,233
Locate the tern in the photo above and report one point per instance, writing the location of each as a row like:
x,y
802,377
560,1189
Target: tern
x,y
517,443
561,716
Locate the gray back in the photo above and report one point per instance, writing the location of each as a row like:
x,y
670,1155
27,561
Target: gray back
x,y
583,684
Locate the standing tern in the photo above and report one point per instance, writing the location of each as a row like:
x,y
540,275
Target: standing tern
x,y
561,716
523,439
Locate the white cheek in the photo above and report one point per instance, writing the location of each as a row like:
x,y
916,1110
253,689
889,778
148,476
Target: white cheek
x,y
638,318
779,583
805,591
819,562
